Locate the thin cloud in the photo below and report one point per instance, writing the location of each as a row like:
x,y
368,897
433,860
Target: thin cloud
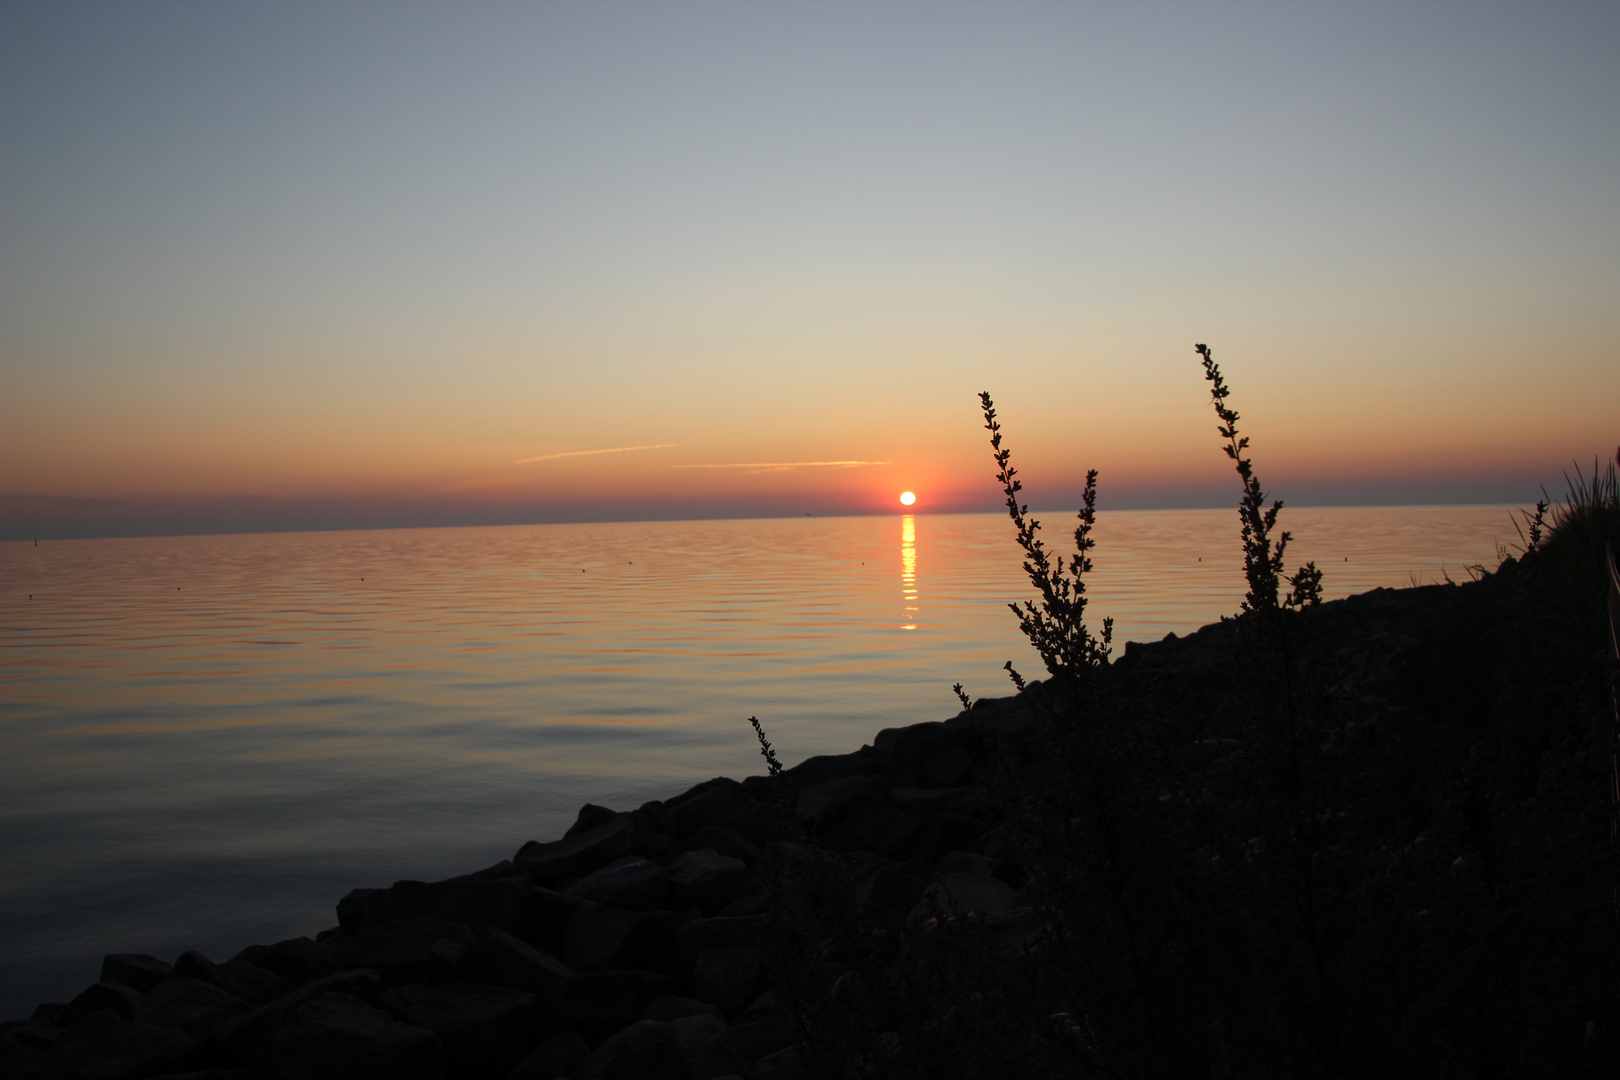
x,y
783,466
587,453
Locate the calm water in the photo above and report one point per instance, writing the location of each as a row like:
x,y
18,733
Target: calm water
x,y
208,740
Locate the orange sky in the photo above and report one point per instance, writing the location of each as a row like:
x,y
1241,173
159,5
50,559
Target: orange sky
x,y
279,260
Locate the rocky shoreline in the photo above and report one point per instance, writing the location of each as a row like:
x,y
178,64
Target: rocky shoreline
x,y
634,945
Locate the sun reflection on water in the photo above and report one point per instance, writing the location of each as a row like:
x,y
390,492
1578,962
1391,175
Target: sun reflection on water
x,y
908,569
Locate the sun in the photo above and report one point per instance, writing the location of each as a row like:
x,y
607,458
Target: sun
x,y
907,498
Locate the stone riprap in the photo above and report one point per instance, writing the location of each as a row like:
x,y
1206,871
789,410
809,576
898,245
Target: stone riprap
x,y
629,947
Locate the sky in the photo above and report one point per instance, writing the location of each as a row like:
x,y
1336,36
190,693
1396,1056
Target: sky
x,y
328,265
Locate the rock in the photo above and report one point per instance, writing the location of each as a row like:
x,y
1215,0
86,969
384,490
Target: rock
x,y
972,801
629,882
889,892
697,1032
669,1008
503,960
885,830
253,985
251,1037
724,932
653,943
626,834
595,936
721,840
783,1065
557,1056
706,880
552,913
351,910
817,770
46,1012
753,904
25,1050
103,1045
830,802
646,1050
483,1029
967,892
285,957
598,1004
739,1048
418,948
339,1036
120,1000
468,901
590,817
137,971
195,1007
728,977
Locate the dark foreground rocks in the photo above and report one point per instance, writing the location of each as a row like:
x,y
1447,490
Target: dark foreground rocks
x,y
631,947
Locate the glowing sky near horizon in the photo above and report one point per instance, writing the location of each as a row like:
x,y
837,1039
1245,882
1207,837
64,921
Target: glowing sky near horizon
x,y
634,259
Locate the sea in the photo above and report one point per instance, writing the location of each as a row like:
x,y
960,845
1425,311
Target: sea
x,y
205,741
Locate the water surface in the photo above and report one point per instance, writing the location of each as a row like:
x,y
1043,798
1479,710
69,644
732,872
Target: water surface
x,y
208,740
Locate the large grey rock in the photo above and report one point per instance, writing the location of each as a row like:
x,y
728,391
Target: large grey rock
x,y
723,840
723,932
245,981
484,1029
135,970
195,1007
340,1037
503,960
737,1049
120,1000
557,1056
597,1004
785,1064
670,1008
967,892
286,958
102,1045
646,1050
728,977
885,830
471,901
586,851
653,943
25,1049
828,803
553,911
251,1037
630,881
697,1032
596,935
706,880
417,948
889,892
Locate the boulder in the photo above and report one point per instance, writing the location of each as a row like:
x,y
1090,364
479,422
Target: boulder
x,y
972,801
483,1029
630,881
339,1036
785,1064
697,1032
828,803
816,770
285,958
351,910
736,1050
472,902
730,978
557,1056
590,817
706,881
137,971
503,960
597,1004
653,943
195,1007
120,1000
670,1008
251,1037
646,1050
595,936
103,1045
251,984
418,948
25,1049
885,830
583,852
723,932
889,892
552,912
967,892
722,840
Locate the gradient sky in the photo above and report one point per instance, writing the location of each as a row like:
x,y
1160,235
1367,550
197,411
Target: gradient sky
x,y
294,265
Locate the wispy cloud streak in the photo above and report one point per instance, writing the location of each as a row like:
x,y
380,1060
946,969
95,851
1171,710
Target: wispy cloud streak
x,y
783,466
588,453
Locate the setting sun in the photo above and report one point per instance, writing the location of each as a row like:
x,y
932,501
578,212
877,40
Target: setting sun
x,y
907,498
